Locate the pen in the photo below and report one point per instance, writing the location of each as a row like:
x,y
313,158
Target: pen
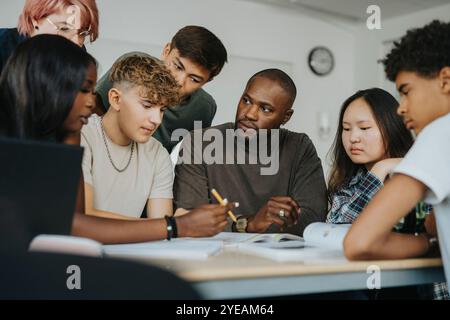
x,y
222,202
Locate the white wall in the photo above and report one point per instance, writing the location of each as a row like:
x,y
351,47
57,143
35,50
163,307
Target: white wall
x,y
255,36
369,45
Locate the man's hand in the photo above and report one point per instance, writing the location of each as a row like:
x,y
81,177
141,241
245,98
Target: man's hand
x,y
204,221
283,211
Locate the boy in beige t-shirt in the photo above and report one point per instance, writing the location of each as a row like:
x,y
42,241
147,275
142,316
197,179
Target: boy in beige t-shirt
x,y
124,167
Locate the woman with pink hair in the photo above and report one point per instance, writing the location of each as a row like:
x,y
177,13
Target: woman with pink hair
x,y
76,20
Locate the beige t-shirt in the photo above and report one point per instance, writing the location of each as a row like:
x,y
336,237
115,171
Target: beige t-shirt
x,y
149,175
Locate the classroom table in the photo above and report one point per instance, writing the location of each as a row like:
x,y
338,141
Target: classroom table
x,y
235,275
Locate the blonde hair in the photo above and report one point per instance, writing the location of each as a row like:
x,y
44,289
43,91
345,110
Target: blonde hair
x,y
156,81
38,9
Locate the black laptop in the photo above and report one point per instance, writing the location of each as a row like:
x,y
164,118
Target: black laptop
x,y
38,185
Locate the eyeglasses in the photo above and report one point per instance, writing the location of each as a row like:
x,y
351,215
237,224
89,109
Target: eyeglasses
x,y
68,32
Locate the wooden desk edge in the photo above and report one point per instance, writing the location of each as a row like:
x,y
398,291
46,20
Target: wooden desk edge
x,y
289,269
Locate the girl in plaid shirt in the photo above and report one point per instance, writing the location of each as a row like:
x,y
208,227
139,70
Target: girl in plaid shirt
x,y
370,141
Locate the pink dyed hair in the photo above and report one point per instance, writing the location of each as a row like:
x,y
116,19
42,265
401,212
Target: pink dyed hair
x,y
38,9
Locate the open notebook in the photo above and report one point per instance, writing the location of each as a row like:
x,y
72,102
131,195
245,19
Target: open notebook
x,y
236,237
320,240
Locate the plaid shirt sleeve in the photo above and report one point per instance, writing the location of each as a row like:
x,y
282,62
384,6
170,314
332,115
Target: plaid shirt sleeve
x,y
349,202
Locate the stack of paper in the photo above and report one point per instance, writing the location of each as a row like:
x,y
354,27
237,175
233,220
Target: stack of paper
x,y
174,249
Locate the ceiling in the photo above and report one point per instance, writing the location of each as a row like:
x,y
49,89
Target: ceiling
x,y
355,10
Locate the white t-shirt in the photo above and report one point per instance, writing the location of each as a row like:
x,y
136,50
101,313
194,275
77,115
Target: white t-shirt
x,y
429,162
149,175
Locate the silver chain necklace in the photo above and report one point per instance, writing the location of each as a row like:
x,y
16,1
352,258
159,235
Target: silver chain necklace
x,y
109,154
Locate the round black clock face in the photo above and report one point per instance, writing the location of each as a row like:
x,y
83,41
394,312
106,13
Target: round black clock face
x,y
321,61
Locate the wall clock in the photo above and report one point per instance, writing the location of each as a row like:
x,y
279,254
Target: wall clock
x,y
321,61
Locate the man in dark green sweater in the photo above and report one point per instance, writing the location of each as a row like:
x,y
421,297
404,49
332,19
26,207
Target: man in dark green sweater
x,y
194,57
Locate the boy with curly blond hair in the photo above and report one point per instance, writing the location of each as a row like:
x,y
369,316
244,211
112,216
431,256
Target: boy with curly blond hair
x,y
124,167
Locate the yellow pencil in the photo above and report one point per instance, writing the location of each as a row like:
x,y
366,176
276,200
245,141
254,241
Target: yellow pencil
x,y
222,202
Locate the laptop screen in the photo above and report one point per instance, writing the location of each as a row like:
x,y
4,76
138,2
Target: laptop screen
x,y
38,185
